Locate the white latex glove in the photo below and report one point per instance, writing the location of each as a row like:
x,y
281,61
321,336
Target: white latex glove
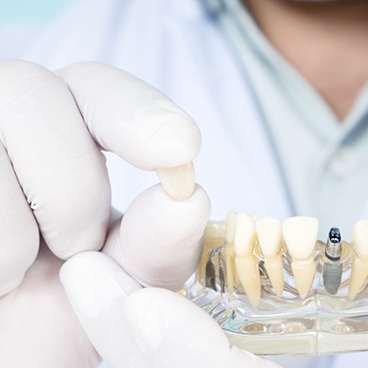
x,y
53,180
145,328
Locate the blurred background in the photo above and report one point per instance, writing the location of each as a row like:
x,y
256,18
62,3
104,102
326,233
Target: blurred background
x,y
14,11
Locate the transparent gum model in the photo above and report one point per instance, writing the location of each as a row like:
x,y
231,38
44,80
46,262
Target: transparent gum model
x,y
275,289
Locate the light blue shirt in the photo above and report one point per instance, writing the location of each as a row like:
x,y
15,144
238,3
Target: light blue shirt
x,y
324,161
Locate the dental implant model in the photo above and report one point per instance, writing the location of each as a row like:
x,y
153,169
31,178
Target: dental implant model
x,y
275,289
332,269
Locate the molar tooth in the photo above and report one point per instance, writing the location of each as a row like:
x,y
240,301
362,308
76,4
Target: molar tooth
x,y
246,262
269,231
300,234
359,271
178,182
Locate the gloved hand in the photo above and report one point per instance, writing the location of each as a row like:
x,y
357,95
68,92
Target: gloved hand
x,y
146,328
53,182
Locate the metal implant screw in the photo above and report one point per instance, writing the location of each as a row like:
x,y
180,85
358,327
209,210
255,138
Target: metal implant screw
x,y
332,271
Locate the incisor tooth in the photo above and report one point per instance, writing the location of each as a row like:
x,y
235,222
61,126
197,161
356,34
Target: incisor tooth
x,y
269,232
178,182
300,234
245,261
359,271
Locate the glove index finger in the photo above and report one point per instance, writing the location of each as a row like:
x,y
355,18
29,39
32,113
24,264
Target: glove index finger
x,y
131,118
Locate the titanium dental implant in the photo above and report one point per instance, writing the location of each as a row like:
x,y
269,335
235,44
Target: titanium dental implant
x,y
332,271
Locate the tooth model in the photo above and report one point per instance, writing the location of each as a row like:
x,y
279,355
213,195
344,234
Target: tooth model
x,y
300,234
359,271
269,232
230,251
245,260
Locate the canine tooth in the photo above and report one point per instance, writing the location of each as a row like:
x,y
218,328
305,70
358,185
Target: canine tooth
x,y
178,182
359,270
245,261
300,234
230,227
269,232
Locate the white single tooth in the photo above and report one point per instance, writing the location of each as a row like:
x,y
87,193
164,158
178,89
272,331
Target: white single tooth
x,y
359,271
178,182
230,226
360,238
300,234
254,216
245,234
269,232
246,263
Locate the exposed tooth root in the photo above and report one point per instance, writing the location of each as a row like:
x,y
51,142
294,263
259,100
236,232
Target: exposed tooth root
x,y
275,272
269,232
230,269
303,275
245,261
359,271
358,275
178,182
248,272
300,234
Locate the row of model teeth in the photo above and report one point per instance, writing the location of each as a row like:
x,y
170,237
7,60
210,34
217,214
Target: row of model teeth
x,y
299,233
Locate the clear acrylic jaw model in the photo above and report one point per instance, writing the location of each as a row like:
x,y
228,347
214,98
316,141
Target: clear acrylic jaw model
x,y
266,305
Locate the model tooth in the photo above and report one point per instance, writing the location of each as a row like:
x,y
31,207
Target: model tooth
x,y
269,232
245,260
359,271
230,227
215,229
248,272
230,251
300,234
254,216
360,238
245,234
178,182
